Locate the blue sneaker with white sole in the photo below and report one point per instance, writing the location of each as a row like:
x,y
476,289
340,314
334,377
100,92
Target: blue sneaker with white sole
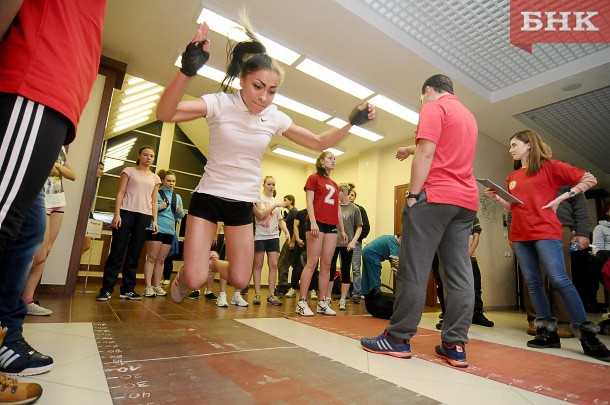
x,y
454,354
386,344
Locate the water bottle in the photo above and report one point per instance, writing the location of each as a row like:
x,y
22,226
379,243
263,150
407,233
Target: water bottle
x,y
574,246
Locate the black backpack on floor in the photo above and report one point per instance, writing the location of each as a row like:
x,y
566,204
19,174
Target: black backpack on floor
x,y
380,304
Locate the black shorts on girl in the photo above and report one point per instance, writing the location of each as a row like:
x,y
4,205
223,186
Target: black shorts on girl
x,y
267,245
216,209
164,238
324,228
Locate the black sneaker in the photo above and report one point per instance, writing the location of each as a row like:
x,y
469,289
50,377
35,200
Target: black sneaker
x,y
194,295
278,293
105,296
210,296
439,325
245,291
20,359
479,319
131,295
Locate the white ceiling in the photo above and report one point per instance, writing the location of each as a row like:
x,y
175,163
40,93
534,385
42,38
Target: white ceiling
x,y
392,46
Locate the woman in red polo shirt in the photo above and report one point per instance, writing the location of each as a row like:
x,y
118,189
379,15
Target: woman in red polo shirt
x,y
536,235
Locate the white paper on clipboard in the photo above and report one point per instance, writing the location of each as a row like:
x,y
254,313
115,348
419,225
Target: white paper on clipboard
x,y
500,191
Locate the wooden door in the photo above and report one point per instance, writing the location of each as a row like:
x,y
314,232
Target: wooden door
x,y
400,192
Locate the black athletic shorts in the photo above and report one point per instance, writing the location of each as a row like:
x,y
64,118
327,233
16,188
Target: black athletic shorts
x,y
216,209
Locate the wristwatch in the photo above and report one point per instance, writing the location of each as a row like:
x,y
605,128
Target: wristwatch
x,y
412,195
571,193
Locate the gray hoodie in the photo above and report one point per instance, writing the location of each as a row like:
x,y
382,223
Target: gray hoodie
x,y
601,236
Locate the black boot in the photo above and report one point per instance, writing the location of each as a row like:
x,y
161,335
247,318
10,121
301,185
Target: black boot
x,y
587,333
546,334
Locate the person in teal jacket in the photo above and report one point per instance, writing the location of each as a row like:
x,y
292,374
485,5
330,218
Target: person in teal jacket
x,y
382,248
158,243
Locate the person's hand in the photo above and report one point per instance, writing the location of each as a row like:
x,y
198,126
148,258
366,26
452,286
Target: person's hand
x,y
197,52
116,222
402,153
343,237
155,227
411,201
300,242
315,230
291,245
491,193
394,263
362,114
351,246
163,205
553,205
283,204
178,209
583,241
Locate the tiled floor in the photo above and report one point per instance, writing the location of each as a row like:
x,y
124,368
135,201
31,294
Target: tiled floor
x,y
78,375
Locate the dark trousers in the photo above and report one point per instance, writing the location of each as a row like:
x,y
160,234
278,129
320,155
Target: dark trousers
x,y
284,262
168,268
15,263
31,136
125,250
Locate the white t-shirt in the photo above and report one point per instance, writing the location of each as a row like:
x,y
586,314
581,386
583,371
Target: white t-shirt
x,y
238,140
267,228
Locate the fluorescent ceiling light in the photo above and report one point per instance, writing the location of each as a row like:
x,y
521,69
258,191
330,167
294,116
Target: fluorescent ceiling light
x,y
233,30
294,155
139,88
361,132
334,79
141,95
116,155
138,103
120,123
130,124
134,111
334,151
134,80
393,107
300,108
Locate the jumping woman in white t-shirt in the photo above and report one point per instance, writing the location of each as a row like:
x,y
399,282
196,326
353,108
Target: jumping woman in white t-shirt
x,y
241,126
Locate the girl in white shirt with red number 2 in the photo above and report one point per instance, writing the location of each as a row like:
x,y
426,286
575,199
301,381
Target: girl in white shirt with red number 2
x,y
241,126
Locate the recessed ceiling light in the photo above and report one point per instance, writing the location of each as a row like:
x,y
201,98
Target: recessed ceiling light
x,y
294,155
572,87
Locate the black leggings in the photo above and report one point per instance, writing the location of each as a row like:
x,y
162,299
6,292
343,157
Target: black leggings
x,y
346,264
31,136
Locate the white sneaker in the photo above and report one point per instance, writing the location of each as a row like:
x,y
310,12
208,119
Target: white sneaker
x,y
159,291
165,282
222,301
149,292
324,308
238,300
313,295
34,308
291,293
303,309
342,305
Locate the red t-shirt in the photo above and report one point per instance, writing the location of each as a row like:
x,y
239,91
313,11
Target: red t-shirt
x,y
454,130
530,221
51,54
325,198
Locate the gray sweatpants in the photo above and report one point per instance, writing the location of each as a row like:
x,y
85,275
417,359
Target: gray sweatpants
x,y
427,228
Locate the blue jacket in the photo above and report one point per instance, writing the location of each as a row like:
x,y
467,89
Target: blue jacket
x,y
166,221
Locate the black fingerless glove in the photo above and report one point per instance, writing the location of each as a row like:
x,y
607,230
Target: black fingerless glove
x,y
193,58
358,116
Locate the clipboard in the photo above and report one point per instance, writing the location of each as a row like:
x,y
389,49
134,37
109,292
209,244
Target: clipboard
x,y
500,191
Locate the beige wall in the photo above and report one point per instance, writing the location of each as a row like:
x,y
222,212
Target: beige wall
x,y
56,268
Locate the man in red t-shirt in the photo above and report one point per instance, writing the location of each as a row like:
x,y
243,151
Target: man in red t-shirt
x,y
439,211
49,58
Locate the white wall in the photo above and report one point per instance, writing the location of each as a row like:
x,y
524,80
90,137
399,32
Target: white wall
x,y
56,268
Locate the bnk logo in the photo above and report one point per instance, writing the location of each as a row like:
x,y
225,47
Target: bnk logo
x,y
559,21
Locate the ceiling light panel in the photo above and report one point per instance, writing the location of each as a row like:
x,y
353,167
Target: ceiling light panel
x,y
474,37
333,78
300,108
391,106
294,155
